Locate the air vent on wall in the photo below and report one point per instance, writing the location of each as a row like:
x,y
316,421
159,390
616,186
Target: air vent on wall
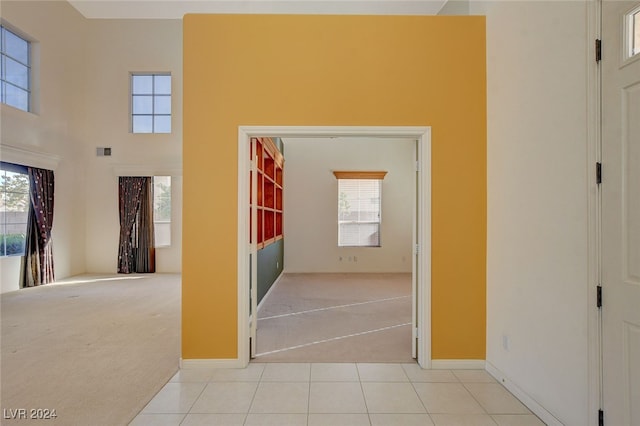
x,y
103,152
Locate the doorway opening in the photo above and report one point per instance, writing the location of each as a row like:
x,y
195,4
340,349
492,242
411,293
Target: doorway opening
x,y
421,233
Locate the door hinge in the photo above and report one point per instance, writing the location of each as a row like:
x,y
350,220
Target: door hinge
x,y
599,297
416,249
598,173
417,166
598,50
600,418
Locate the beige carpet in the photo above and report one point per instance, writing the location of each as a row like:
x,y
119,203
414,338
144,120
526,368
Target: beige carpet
x,y
95,349
336,318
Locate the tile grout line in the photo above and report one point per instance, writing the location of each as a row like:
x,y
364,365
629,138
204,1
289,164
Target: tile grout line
x,y
309,396
246,416
194,401
495,382
364,397
413,386
478,402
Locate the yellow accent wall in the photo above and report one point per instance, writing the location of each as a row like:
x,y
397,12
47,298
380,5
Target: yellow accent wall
x,y
309,70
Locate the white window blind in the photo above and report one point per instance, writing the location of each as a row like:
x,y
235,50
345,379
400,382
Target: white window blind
x,y
359,212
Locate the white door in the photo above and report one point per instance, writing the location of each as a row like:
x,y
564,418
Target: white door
x,y
620,215
253,251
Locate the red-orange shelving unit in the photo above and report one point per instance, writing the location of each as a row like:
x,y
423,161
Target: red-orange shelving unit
x,y
269,204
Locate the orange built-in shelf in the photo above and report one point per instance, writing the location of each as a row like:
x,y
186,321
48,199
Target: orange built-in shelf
x,y
269,191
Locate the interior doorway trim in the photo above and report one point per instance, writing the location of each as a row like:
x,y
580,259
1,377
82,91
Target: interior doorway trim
x,y
423,221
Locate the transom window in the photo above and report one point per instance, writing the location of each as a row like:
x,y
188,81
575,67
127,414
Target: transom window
x,y
15,70
359,208
14,208
151,103
633,32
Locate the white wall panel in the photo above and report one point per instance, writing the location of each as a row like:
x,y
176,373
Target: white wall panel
x,y
537,180
81,88
54,129
311,210
119,47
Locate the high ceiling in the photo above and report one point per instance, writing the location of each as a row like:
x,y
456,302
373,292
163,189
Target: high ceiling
x,y
176,9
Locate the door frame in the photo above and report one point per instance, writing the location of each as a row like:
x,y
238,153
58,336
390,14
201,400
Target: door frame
x,y
593,143
422,295
615,56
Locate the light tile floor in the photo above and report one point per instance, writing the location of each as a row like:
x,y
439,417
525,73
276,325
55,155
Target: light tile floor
x,y
333,395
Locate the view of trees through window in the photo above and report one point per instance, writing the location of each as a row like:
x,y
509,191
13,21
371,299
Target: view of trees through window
x,y
14,208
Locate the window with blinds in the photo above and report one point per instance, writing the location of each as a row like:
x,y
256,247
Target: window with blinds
x,y
359,212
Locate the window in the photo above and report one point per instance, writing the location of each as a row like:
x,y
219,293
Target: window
x,y
634,32
15,70
359,208
14,208
162,210
151,103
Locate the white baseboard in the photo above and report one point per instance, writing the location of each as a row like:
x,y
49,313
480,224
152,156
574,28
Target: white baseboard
x,y
269,291
457,364
212,363
527,400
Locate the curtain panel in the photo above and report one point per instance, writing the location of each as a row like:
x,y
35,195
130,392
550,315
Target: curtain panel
x,y
136,252
146,251
38,261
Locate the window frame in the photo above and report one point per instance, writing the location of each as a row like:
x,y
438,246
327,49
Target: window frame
x,y
155,221
153,95
29,66
632,40
361,176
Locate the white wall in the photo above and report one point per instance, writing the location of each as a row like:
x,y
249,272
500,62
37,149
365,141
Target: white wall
x,y
455,7
119,47
50,137
537,247
81,74
310,204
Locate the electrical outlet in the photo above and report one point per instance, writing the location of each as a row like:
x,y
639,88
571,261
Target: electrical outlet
x,y
355,258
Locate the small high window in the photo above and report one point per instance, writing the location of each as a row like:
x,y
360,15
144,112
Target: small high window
x,y
15,74
633,32
151,103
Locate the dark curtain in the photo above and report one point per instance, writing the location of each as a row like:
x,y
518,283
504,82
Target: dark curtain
x,y
136,252
38,262
146,252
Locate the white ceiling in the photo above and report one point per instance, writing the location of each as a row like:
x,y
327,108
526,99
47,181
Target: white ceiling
x,y
176,9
